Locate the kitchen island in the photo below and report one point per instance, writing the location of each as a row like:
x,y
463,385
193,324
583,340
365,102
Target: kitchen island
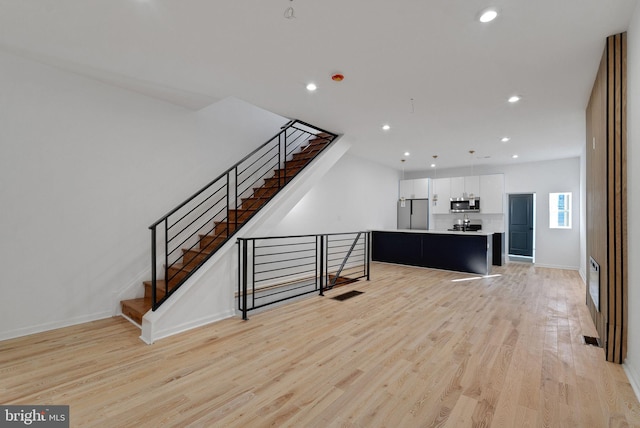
x,y
450,250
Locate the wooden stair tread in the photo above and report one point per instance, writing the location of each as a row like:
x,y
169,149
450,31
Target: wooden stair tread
x,y
203,251
141,304
136,308
180,267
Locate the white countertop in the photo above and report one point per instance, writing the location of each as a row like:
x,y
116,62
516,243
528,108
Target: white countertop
x,y
436,232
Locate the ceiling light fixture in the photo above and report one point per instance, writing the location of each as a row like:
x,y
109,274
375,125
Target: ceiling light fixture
x,y
434,194
289,12
337,77
407,153
386,127
514,99
505,139
488,15
311,87
515,156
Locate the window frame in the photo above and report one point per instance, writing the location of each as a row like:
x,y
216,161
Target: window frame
x,y
555,210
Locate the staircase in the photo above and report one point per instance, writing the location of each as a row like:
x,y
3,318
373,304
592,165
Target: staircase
x,y
297,147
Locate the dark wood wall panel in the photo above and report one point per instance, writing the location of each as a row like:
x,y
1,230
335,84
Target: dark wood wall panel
x,y
606,196
597,190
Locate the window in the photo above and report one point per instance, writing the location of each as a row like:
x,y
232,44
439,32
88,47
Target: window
x,y
560,210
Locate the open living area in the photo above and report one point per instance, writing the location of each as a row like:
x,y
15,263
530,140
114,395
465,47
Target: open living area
x,y
417,348
418,214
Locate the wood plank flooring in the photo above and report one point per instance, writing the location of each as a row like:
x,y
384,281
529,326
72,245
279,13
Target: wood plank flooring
x,y
415,350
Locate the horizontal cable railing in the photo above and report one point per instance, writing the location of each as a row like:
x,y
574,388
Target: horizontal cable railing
x,y
344,257
185,238
275,269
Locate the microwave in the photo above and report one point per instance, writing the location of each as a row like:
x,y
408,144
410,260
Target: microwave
x,y
465,205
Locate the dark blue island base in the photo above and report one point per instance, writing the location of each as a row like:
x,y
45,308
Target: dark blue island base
x,y
457,251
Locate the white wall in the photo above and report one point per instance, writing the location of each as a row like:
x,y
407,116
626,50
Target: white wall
x,y
632,362
85,168
553,247
354,195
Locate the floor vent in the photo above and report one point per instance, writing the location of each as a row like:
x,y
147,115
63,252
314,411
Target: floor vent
x,y
589,340
347,295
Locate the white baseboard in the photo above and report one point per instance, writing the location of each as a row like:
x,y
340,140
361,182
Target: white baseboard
x,y
12,334
576,268
188,326
582,275
632,375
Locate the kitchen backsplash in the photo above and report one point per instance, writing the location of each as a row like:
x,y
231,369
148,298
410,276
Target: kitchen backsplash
x,y
490,222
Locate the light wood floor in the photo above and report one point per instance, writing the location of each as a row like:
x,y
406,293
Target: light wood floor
x,y
415,350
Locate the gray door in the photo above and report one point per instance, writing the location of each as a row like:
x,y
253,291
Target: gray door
x,y
521,225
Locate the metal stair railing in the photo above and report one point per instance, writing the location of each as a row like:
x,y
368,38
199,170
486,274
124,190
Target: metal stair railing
x,y
344,262
272,270
187,236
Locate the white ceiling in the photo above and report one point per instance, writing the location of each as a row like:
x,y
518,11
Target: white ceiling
x,y
458,72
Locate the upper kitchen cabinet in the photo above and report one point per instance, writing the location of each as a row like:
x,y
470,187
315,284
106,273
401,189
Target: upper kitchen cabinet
x,y
472,186
491,193
465,187
421,188
457,187
406,189
414,189
441,195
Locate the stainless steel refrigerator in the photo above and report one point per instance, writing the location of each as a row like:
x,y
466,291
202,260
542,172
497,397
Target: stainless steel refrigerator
x,y
413,214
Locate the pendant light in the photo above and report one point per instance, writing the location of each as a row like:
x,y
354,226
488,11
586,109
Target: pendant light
x,y
289,13
434,195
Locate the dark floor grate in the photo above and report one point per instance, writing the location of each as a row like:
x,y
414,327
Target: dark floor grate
x,y
347,295
589,340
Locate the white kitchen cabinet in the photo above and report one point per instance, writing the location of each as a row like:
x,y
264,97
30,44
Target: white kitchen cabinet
x,y
464,187
472,186
492,194
406,189
457,187
440,196
414,189
421,188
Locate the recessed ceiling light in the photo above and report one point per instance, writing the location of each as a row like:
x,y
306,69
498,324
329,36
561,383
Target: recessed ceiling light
x,y
515,156
433,165
407,153
514,99
386,127
505,139
311,87
488,15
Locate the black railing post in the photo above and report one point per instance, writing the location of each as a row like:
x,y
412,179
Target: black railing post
x,y
235,197
326,261
166,252
244,281
321,258
368,254
253,273
228,206
154,276
239,243
280,163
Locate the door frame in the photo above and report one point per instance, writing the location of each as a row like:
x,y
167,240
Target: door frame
x,y
507,222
